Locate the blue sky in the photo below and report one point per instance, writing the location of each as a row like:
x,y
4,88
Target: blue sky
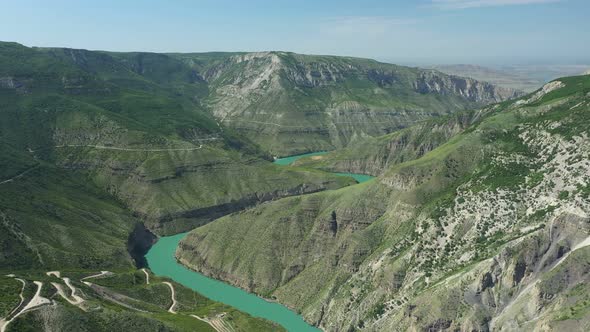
x,y
421,31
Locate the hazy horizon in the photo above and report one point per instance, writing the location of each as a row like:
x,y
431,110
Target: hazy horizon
x,y
425,32
418,62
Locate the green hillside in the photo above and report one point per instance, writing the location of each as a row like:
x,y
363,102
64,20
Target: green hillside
x,y
124,301
374,155
94,149
122,122
103,152
488,230
291,104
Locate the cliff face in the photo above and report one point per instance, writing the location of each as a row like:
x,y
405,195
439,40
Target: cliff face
x,y
132,123
488,231
374,155
158,131
290,103
468,88
175,191
94,147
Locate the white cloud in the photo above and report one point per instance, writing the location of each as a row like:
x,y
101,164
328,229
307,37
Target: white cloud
x,y
463,4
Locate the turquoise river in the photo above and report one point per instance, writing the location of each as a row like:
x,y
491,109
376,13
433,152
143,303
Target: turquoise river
x,y
162,261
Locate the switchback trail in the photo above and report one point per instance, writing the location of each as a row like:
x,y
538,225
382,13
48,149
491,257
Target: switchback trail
x,y
101,274
35,302
19,175
104,147
173,295
147,276
3,321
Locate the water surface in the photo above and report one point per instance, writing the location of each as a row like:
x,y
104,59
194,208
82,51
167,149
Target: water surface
x,y
291,159
162,261
360,178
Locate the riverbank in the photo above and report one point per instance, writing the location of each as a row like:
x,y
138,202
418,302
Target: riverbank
x,y
360,178
161,259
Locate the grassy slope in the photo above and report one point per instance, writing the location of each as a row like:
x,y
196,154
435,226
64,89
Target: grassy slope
x,y
56,213
9,288
48,215
385,244
298,222
102,314
374,155
138,101
290,103
56,97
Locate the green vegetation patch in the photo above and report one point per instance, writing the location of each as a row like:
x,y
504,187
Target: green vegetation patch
x,y
9,295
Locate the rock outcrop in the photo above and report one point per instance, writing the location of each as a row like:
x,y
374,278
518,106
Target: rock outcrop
x,y
290,103
470,89
374,155
488,231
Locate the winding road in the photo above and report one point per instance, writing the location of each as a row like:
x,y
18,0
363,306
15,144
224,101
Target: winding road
x,y
102,273
217,323
147,276
19,175
3,322
35,302
173,295
104,147
73,298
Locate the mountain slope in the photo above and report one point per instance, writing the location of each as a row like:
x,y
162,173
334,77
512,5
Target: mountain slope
x,y
290,103
101,149
48,216
374,155
124,121
488,231
521,77
140,124
120,301
79,133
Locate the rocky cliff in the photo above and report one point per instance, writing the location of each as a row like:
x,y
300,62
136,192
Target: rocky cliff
x,y
488,231
374,155
132,123
290,103
468,88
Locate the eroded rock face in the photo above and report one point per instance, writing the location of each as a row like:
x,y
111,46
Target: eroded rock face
x,y
9,83
549,87
526,286
12,83
470,89
374,156
290,103
212,184
489,231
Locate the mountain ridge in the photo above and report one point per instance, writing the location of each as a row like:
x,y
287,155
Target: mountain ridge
x,y
485,219
138,145
259,95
